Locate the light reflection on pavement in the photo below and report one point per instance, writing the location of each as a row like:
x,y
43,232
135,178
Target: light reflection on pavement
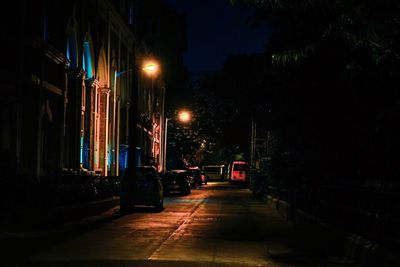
x,y
219,225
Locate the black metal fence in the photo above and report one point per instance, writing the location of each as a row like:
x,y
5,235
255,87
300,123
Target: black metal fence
x,y
368,208
371,208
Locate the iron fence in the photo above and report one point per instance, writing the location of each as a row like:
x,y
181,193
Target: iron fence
x,y
365,207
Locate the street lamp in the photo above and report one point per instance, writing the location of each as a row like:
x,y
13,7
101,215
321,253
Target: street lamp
x,y
150,67
184,116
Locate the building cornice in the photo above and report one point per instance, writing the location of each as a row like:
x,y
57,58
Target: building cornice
x,y
51,53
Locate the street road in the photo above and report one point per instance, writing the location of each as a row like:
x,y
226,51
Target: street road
x,y
217,225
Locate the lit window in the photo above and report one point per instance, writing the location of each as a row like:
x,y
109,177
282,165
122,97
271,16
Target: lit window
x,y
87,60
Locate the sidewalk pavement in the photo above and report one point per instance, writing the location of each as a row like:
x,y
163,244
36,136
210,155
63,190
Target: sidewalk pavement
x,y
43,219
39,229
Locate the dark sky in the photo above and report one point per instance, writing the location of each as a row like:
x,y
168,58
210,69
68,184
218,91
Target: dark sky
x,y
216,29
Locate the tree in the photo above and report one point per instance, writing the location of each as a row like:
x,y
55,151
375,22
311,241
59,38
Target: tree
x,y
335,63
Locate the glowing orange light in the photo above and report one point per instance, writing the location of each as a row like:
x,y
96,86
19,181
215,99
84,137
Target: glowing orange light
x,y
184,116
150,68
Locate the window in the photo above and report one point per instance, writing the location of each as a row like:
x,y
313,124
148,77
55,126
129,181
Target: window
x,y
87,60
240,167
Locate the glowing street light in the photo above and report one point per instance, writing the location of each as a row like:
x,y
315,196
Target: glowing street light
x,y
184,116
150,68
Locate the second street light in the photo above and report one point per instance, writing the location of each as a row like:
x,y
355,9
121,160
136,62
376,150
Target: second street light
x,y
184,116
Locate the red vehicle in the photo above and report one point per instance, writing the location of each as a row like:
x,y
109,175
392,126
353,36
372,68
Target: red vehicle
x,y
198,173
203,177
237,171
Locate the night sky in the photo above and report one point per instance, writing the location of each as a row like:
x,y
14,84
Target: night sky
x,y
215,30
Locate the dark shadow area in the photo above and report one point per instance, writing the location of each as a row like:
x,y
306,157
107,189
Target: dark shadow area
x,y
136,263
17,248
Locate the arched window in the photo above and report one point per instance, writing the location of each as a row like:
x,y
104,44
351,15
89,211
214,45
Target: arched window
x,y
102,73
72,52
87,59
71,46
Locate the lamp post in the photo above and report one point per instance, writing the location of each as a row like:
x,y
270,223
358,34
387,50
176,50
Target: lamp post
x,y
115,124
184,116
151,69
165,145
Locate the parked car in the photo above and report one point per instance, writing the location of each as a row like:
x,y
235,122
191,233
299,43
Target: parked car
x,y
238,171
189,177
204,177
147,188
196,173
176,182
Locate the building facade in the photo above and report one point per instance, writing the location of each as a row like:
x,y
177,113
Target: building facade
x,y
68,90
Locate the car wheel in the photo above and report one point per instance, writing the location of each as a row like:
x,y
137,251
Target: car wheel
x,y
126,207
159,206
185,192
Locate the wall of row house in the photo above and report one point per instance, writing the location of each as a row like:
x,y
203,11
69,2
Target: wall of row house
x,y
68,107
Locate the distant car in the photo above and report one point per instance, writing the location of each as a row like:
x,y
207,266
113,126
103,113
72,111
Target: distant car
x,y
197,175
214,172
237,172
147,188
190,178
176,182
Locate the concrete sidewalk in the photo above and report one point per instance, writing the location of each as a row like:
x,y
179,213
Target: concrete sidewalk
x,y
21,239
43,219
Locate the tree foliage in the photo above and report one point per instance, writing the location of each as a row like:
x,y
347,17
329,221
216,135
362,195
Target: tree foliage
x,y
332,83
300,26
